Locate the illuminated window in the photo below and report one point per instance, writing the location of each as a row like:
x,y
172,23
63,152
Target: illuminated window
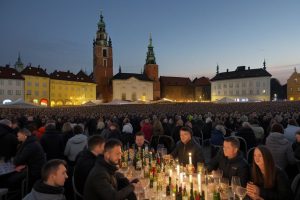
x,y
35,101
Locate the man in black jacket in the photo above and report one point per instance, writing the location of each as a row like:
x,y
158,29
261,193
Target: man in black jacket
x,y
86,160
8,140
185,146
231,161
102,182
52,141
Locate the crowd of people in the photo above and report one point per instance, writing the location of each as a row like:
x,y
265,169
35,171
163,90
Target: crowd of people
x,y
50,147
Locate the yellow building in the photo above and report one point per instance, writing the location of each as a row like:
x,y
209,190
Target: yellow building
x,y
36,85
293,86
67,89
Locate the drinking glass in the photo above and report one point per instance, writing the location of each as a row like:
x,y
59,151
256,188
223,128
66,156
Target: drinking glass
x,y
200,167
235,182
241,192
217,174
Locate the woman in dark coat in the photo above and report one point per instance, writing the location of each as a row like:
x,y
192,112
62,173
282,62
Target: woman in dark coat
x,y
268,181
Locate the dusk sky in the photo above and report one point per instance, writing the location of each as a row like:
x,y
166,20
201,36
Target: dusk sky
x,y
189,37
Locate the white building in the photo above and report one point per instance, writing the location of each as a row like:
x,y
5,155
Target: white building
x,y
132,87
241,85
11,85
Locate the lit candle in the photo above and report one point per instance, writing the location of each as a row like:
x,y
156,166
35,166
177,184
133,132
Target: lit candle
x,y
178,170
191,178
190,158
181,178
170,173
199,183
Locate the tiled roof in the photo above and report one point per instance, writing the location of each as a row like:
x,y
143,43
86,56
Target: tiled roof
x,y
175,81
82,77
125,76
10,73
34,71
61,75
241,72
203,81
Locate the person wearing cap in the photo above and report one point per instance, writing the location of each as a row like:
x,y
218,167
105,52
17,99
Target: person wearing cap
x,y
185,146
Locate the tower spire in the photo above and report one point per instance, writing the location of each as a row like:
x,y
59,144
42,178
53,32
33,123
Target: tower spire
x,y
120,70
19,65
264,64
217,68
150,54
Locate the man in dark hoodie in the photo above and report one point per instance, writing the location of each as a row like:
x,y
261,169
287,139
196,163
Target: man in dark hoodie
x,y
52,141
231,161
86,160
54,174
103,182
8,140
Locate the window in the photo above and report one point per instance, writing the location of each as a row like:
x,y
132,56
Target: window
x,y
36,84
218,92
44,85
225,85
18,92
230,85
237,85
219,86
10,92
18,83
257,84
250,83
257,91
133,96
28,83
36,93
291,89
9,82
104,53
123,96
44,93
1,82
243,92
231,92
250,92
237,92
105,63
244,84
1,92
28,92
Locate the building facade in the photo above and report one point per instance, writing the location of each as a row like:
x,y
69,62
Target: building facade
x,y
202,89
68,89
132,87
177,88
11,85
36,85
103,62
241,85
293,86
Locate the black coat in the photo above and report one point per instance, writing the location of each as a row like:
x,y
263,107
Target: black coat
x,y
8,142
181,152
85,162
237,166
31,154
102,183
281,189
248,135
53,145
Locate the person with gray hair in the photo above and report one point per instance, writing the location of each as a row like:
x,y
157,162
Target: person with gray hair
x,y
8,140
247,133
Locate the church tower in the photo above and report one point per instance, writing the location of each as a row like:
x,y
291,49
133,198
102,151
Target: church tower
x,y
103,63
151,70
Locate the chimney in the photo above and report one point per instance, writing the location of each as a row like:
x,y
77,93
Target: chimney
x,y
248,68
227,70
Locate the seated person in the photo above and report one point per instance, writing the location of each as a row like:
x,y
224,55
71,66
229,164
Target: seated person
x,y
86,160
185,146
296,146
140,140
231,161
54,174
103,182
268,181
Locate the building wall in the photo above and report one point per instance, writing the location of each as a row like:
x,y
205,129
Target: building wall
x,y
36,89
293,87
11,89
71,92
151,71
202,93
248,88
125,90
178,93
